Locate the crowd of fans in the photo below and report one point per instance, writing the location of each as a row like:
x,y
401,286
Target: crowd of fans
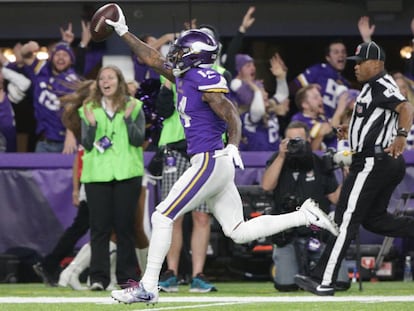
x,y
264,115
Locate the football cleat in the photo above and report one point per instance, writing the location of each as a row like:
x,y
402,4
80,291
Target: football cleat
x,y
135,293
315,216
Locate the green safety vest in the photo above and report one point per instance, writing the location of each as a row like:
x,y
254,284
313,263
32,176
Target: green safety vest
x,y
172,129
120,161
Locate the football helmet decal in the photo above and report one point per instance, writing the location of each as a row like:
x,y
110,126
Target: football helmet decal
x,y
193,48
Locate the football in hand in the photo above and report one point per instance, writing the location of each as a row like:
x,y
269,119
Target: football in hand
x,y
100,30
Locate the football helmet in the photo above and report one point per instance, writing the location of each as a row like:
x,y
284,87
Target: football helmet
x,y
194,48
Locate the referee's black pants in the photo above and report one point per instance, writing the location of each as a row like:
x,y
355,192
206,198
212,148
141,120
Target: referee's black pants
x,y
112,206
364,199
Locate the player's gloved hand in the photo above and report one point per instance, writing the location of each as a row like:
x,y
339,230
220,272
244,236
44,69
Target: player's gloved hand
x,y
233,152
120,26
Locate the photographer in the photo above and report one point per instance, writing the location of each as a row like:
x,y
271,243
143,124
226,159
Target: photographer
x,y
294,174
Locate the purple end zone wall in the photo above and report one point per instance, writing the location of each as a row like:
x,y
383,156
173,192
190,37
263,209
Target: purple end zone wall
x,y
36,206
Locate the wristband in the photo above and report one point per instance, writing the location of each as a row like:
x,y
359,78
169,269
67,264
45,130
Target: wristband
x,y
402,132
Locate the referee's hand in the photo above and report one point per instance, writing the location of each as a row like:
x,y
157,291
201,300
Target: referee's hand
x,y
397,147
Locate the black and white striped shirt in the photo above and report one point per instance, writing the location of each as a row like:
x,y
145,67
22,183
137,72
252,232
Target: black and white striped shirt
x,y
374,121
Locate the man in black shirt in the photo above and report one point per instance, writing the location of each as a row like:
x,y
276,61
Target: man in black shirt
x,y
294,174
377,137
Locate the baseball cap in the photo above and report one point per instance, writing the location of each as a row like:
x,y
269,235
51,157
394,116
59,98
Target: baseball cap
x,y
368,50
241,60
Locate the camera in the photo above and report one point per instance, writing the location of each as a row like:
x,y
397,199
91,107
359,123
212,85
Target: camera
x,y
296,146
328,160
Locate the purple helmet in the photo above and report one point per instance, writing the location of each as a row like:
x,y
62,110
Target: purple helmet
x,y
194,48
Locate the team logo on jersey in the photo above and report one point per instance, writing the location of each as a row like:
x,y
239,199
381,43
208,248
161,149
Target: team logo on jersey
x,y
360,108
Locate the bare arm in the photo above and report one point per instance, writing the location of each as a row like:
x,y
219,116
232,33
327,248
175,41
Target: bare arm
x,y
271,175
27,52
365,29
148,55
168,37
334,196
405,111
228,112
405,120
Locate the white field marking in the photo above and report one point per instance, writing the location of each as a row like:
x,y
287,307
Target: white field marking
x,y
192,299
207,305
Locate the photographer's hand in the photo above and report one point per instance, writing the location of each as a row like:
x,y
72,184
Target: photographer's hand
x,y
283,147
270,178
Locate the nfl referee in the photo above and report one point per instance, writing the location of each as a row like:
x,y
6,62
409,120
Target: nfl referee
x,y
377,135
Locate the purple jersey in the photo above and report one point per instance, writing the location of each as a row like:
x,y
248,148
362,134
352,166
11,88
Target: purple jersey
x,y
7,124
47,88
314,126
202,127
260,136
331,82
143,72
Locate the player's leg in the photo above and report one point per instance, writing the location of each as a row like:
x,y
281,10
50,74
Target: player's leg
x,y
168,280
187,192
199,243
228,211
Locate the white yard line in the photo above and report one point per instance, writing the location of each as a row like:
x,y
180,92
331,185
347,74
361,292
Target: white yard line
x,y
207,305
204,299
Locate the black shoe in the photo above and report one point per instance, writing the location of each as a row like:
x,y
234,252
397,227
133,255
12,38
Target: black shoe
x,y
342,286
46,277
310,285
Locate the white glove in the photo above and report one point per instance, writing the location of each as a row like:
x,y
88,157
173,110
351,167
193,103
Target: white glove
x,y
120,26
343,158
233,152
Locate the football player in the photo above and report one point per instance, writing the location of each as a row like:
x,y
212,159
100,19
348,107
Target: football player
x,y
205,113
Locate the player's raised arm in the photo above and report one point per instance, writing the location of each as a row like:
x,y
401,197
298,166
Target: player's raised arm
x,y
146,53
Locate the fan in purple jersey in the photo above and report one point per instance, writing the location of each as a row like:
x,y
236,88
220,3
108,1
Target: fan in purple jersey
x,y
205,113
309,102
259,113
328,75
15,92
50,80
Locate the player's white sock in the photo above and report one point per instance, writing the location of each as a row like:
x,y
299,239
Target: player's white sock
x,y
266,225
159,245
